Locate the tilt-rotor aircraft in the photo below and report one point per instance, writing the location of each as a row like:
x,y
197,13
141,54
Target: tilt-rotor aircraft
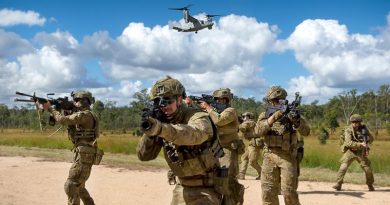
x,y
197,24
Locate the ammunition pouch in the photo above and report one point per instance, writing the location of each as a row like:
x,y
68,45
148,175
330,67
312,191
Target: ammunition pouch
x,y
257,142
193,160
98,157
221,180
87,154
238,145
300,153
278,141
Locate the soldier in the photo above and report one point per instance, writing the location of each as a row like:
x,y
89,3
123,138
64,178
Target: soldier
x,y
226,120
83,131
280,149
189,141
256,144
355,147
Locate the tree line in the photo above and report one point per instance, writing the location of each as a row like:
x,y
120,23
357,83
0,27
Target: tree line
x,y
374,106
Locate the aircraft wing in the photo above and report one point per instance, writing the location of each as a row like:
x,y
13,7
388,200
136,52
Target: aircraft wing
x,y
194,21
177,28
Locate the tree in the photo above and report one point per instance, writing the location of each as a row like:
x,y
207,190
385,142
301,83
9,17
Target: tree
x,y
324,135
331,121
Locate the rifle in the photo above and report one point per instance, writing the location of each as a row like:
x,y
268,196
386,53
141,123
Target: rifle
x,y
206,98
59,104
366,139
286,108
154,111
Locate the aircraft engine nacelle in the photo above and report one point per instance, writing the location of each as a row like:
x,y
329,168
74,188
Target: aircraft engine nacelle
x,y
185,15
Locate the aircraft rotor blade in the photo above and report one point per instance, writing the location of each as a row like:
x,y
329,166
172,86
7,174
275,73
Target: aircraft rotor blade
x,y
183,8
213,15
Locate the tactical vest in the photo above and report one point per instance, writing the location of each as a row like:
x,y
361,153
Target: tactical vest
x,y
281,135
78,132
197,160
228,133
357,136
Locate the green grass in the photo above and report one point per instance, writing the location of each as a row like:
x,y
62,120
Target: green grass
x,y
328,156
114,143
320,162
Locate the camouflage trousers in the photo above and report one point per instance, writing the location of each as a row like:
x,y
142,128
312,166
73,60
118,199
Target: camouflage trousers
x,y
251,156
195,196
230,160
78,174
347,159
278,166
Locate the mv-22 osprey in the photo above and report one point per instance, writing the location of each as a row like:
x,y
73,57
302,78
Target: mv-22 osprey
x,y
197,23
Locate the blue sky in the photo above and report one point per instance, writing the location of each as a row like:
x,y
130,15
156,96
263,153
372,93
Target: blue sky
x,y
116,48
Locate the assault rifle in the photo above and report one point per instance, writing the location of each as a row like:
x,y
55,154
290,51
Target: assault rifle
x,y
207,98
366,139
204,97
59,104
286,108
154,111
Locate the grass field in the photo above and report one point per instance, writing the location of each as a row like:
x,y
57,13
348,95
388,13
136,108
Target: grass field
x,y
320,162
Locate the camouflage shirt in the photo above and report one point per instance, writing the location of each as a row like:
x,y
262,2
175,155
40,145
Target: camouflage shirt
x,y
194,128
353,138
227,124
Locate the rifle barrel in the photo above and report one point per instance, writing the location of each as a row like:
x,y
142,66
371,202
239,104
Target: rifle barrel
x,y
23,94
23,100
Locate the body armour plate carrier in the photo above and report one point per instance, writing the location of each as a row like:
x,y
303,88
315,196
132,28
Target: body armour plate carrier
x,y
188,161
281,135
76,132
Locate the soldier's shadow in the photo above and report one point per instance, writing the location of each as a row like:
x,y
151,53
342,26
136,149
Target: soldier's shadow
x,y
347,193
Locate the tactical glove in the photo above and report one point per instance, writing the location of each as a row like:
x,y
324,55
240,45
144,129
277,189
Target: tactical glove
x,y
294,118
275,117
154,128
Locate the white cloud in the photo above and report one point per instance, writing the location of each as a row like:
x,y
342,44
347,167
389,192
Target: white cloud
x,y
64,42
9,17
337,59
11,45
226,56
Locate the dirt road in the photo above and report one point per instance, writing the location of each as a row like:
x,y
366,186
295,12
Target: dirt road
x,y
29,180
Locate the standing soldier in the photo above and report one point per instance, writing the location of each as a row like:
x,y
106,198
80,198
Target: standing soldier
x,y
226,120
256,144
279,131
83,131
355,147
189,141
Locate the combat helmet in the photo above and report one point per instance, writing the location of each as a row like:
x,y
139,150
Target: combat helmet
x,y
83,95
249,114
167,87
223,93
276,92
355,118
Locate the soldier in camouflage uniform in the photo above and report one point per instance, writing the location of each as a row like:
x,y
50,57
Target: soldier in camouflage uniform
x,y
280,150
355,147
256,144
226,120
189,142
83,131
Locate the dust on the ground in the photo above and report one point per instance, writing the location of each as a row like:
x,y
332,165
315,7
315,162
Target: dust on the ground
x,y
29,180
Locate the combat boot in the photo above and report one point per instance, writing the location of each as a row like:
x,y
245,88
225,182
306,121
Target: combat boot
x,y
337,187
241,176
371,188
